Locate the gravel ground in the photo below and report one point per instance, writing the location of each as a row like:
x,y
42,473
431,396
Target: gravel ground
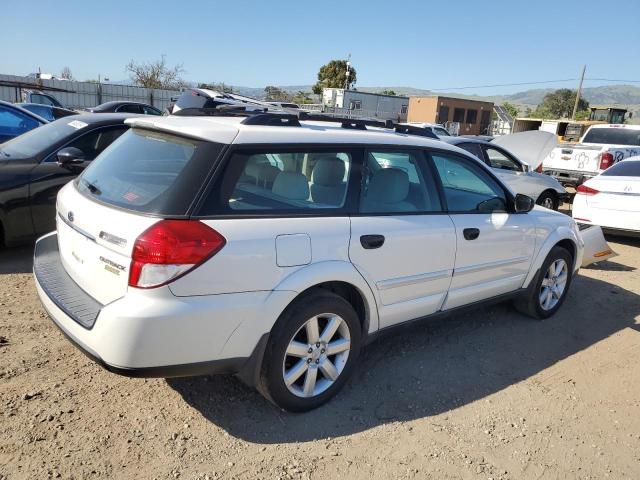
x,y
487,395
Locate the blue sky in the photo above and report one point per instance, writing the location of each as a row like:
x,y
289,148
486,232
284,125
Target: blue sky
x,y
421,44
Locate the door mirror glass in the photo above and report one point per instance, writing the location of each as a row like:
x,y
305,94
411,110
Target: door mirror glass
x,y
70,156
523,203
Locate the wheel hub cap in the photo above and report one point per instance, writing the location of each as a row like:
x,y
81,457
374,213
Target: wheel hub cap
x,y
553,284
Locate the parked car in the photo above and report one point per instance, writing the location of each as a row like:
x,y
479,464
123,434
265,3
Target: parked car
x,y
35,165
47,112
516,173
15,120
268,247
611,199
600,148
40,98
125,107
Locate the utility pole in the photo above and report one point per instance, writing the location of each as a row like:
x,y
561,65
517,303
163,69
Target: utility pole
x,y
575,105
348,73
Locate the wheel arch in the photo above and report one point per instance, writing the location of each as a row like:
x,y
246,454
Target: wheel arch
x,y
563,237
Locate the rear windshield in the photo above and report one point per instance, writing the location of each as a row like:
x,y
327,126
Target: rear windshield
x,y
613,136
42,138
624,169
150,172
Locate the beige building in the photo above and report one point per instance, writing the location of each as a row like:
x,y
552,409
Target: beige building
x,y
472,116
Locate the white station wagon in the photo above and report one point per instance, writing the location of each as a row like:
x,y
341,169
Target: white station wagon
x,y
275,248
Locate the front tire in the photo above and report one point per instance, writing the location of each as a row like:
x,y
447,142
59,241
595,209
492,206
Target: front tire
x,y
549,289
548,199
311,352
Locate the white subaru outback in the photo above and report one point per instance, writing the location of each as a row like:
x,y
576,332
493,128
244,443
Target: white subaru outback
x,y
261,245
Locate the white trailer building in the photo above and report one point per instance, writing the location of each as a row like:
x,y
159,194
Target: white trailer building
x,y
364,105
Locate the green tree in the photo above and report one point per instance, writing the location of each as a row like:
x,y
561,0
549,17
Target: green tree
x,y
511,109
388,92
559,104
156,74
302,98
219,87
334,75
276,94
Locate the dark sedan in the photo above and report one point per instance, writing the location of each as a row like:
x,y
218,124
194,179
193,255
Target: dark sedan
x,y
35,165
125,107
15,121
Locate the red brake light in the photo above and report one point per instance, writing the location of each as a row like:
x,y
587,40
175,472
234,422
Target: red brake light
x,y
584,190
606,160
169,249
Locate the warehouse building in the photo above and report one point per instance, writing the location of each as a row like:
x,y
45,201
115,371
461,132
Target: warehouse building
x,y
364,105
460,116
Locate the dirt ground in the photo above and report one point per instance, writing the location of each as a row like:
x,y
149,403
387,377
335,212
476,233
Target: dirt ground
x,y
488,395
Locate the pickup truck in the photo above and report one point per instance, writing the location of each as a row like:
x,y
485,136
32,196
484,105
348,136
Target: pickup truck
x,y
599,148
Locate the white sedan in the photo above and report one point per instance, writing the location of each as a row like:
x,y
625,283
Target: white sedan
x,y
612,199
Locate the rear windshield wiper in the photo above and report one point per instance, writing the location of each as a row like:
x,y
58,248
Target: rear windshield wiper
x,y
92,188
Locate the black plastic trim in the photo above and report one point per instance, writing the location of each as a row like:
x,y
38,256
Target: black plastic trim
x,y
60,287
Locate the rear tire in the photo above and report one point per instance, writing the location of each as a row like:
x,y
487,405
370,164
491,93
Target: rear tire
x,y
548,199
550,287
311,353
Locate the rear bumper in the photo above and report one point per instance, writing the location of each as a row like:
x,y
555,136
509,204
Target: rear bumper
x,y
149,333
568,177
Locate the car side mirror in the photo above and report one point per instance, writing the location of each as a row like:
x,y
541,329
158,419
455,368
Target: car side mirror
x,y
70,156
523,203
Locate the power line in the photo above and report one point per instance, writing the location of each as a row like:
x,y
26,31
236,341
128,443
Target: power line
x,y
531,83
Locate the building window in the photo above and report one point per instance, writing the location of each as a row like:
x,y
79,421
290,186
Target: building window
x,y
403,109
443,115
485,119
355,105
458,115
472,116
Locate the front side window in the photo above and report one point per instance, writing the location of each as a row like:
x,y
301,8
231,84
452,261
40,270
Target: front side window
x,y
129,108
44,100
473,148
93,143
151,110
281,182
498,159
468,188
397,182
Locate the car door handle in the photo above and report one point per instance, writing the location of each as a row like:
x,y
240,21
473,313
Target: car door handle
x,y
471,233
369,242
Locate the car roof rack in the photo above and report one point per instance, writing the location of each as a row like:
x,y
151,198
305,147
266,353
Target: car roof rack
x,y
414,130
347,122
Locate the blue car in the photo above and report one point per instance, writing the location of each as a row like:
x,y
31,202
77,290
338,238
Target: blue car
x,y
15,121
48,112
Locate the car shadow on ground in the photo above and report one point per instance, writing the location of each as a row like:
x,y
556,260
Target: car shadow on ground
x,y
427,369
16,259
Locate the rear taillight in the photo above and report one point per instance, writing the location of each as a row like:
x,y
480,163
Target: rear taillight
x,y
584,190
169,249
606,160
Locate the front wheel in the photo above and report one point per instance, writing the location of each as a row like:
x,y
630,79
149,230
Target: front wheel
x,y
549,289
312,351
548,200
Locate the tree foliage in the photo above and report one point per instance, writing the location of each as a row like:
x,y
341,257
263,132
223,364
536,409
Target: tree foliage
x,y
511,109
273,94
66,74
156,74
218,87
559,104
388,92
334,75
302,98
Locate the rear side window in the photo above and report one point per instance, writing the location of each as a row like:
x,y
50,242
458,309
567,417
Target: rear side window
x,y
93,143
613,136
150,172
623,169
281,182
467,188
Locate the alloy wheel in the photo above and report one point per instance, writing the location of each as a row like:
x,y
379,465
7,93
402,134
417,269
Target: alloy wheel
x,y
553,284
316,355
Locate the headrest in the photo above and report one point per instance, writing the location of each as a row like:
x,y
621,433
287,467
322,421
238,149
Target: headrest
x,y
389,185
328,172
291,185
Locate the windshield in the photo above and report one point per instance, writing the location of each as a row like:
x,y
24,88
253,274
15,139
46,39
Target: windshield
x,y
36,141
150,172
613,136
625,168
441,132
